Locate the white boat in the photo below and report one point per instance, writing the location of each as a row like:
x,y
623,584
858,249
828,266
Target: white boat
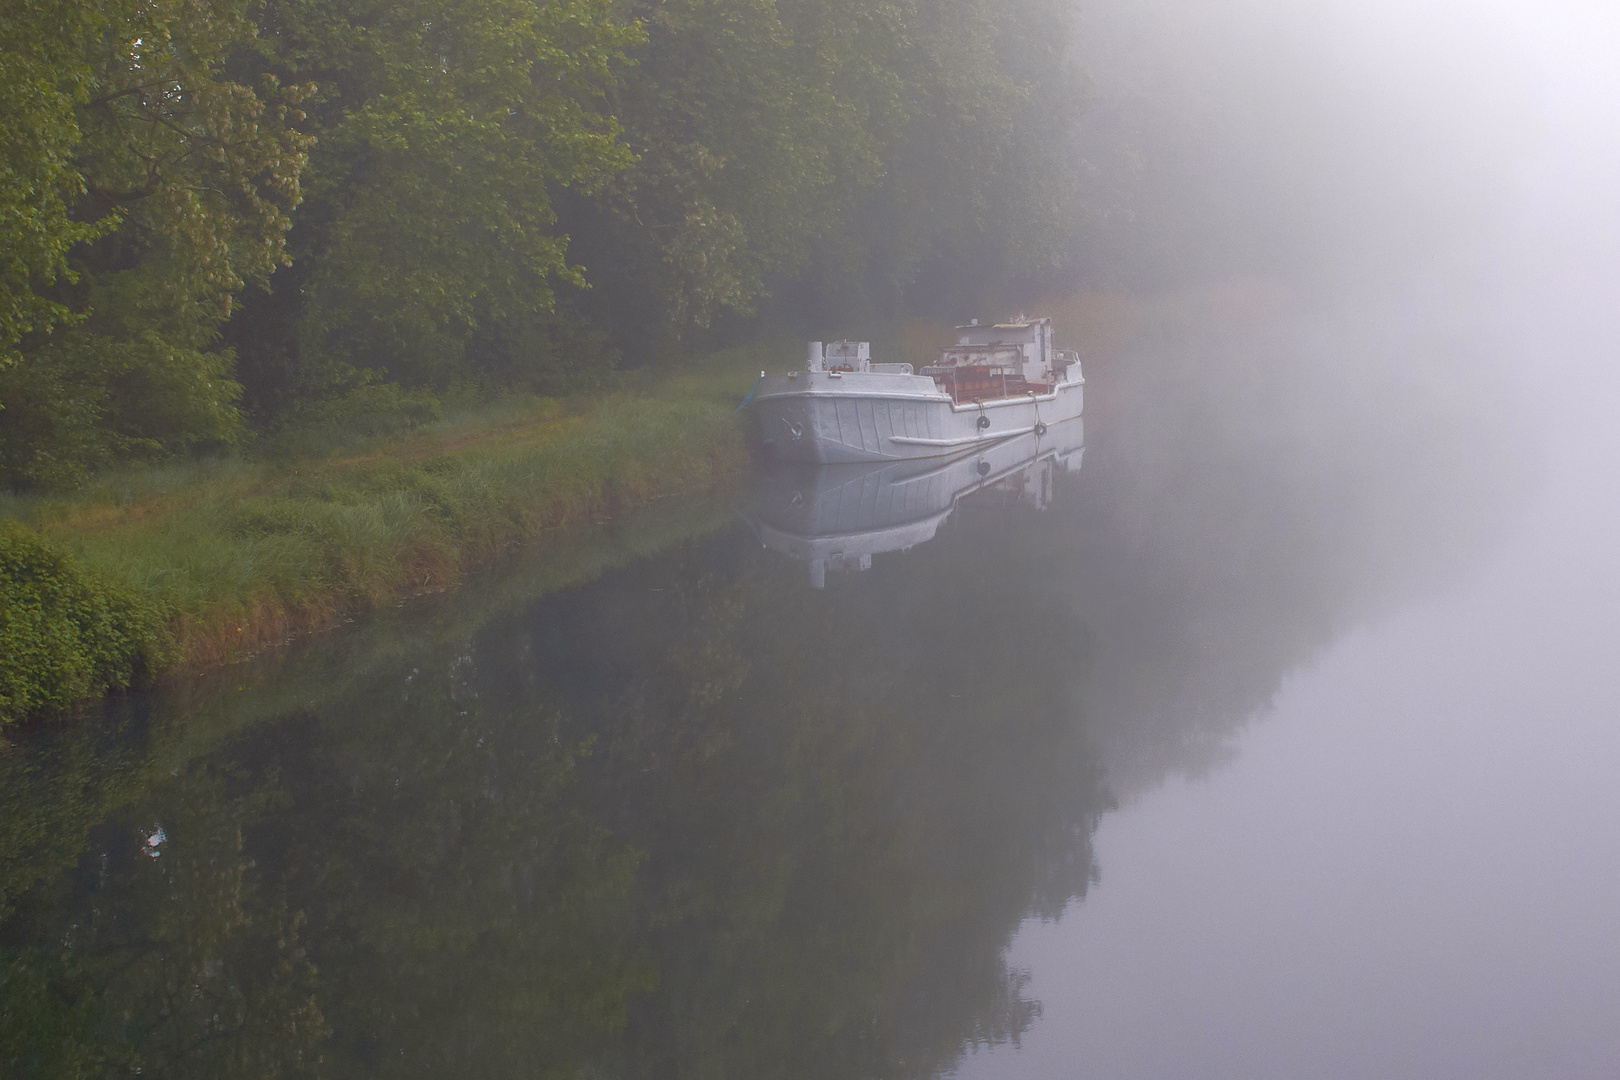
x,y
997,382
837,517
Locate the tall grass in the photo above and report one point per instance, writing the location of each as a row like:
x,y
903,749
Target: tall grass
x,y
62,781
239,555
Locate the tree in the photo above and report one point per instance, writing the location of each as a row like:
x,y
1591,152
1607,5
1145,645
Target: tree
x,y
826,152
501,194
444,126
178,192
41,84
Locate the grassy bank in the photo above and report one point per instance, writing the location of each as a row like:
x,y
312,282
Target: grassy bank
x,y
60,780
194,566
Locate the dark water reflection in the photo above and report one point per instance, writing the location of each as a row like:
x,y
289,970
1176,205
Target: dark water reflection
x,y
657,807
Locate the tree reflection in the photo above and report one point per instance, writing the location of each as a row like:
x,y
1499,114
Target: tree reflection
x,y
840,794
158,955
690,820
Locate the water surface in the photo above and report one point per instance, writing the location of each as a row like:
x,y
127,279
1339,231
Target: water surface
x,y
1230,734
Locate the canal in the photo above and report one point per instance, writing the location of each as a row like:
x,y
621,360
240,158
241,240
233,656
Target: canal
x,y
1262,726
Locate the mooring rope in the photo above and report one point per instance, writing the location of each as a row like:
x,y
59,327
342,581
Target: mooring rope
x,y
750,396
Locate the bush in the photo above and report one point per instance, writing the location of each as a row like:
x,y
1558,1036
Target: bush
x,y
64,634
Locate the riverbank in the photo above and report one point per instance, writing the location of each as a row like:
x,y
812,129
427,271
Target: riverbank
x,y
190,567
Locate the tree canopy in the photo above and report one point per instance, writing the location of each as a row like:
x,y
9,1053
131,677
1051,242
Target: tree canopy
x,y
219,217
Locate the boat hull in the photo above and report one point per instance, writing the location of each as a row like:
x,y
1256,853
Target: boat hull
x,y
834,418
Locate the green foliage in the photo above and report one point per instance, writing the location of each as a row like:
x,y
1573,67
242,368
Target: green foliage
x,y
754,124
683,160
444,126
370,411
985,176
830,151
89,400
503,195
66,634
41,83
240,556
352,534
176,193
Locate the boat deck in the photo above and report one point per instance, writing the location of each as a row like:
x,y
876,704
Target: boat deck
x,y
974,384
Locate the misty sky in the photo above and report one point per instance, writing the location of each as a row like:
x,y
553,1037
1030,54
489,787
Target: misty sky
x,y
1408,865
1418,139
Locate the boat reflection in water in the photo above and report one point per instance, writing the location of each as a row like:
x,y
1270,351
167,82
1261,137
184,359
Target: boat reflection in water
x,y
836,517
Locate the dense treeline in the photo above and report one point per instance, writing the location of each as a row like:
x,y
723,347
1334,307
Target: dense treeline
x,y
218,218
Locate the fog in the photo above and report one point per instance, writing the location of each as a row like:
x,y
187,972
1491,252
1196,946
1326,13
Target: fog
x,y
1403,861
1423,192
1406,142
1275,737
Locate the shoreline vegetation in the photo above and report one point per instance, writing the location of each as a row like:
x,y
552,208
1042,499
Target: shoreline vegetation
x,y
175,570
250,254
158,572
61,779
179,569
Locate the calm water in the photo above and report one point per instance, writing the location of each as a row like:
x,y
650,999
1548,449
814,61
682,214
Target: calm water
x,y
1265,726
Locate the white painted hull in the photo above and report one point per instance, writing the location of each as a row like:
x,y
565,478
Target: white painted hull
x,y
837,418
